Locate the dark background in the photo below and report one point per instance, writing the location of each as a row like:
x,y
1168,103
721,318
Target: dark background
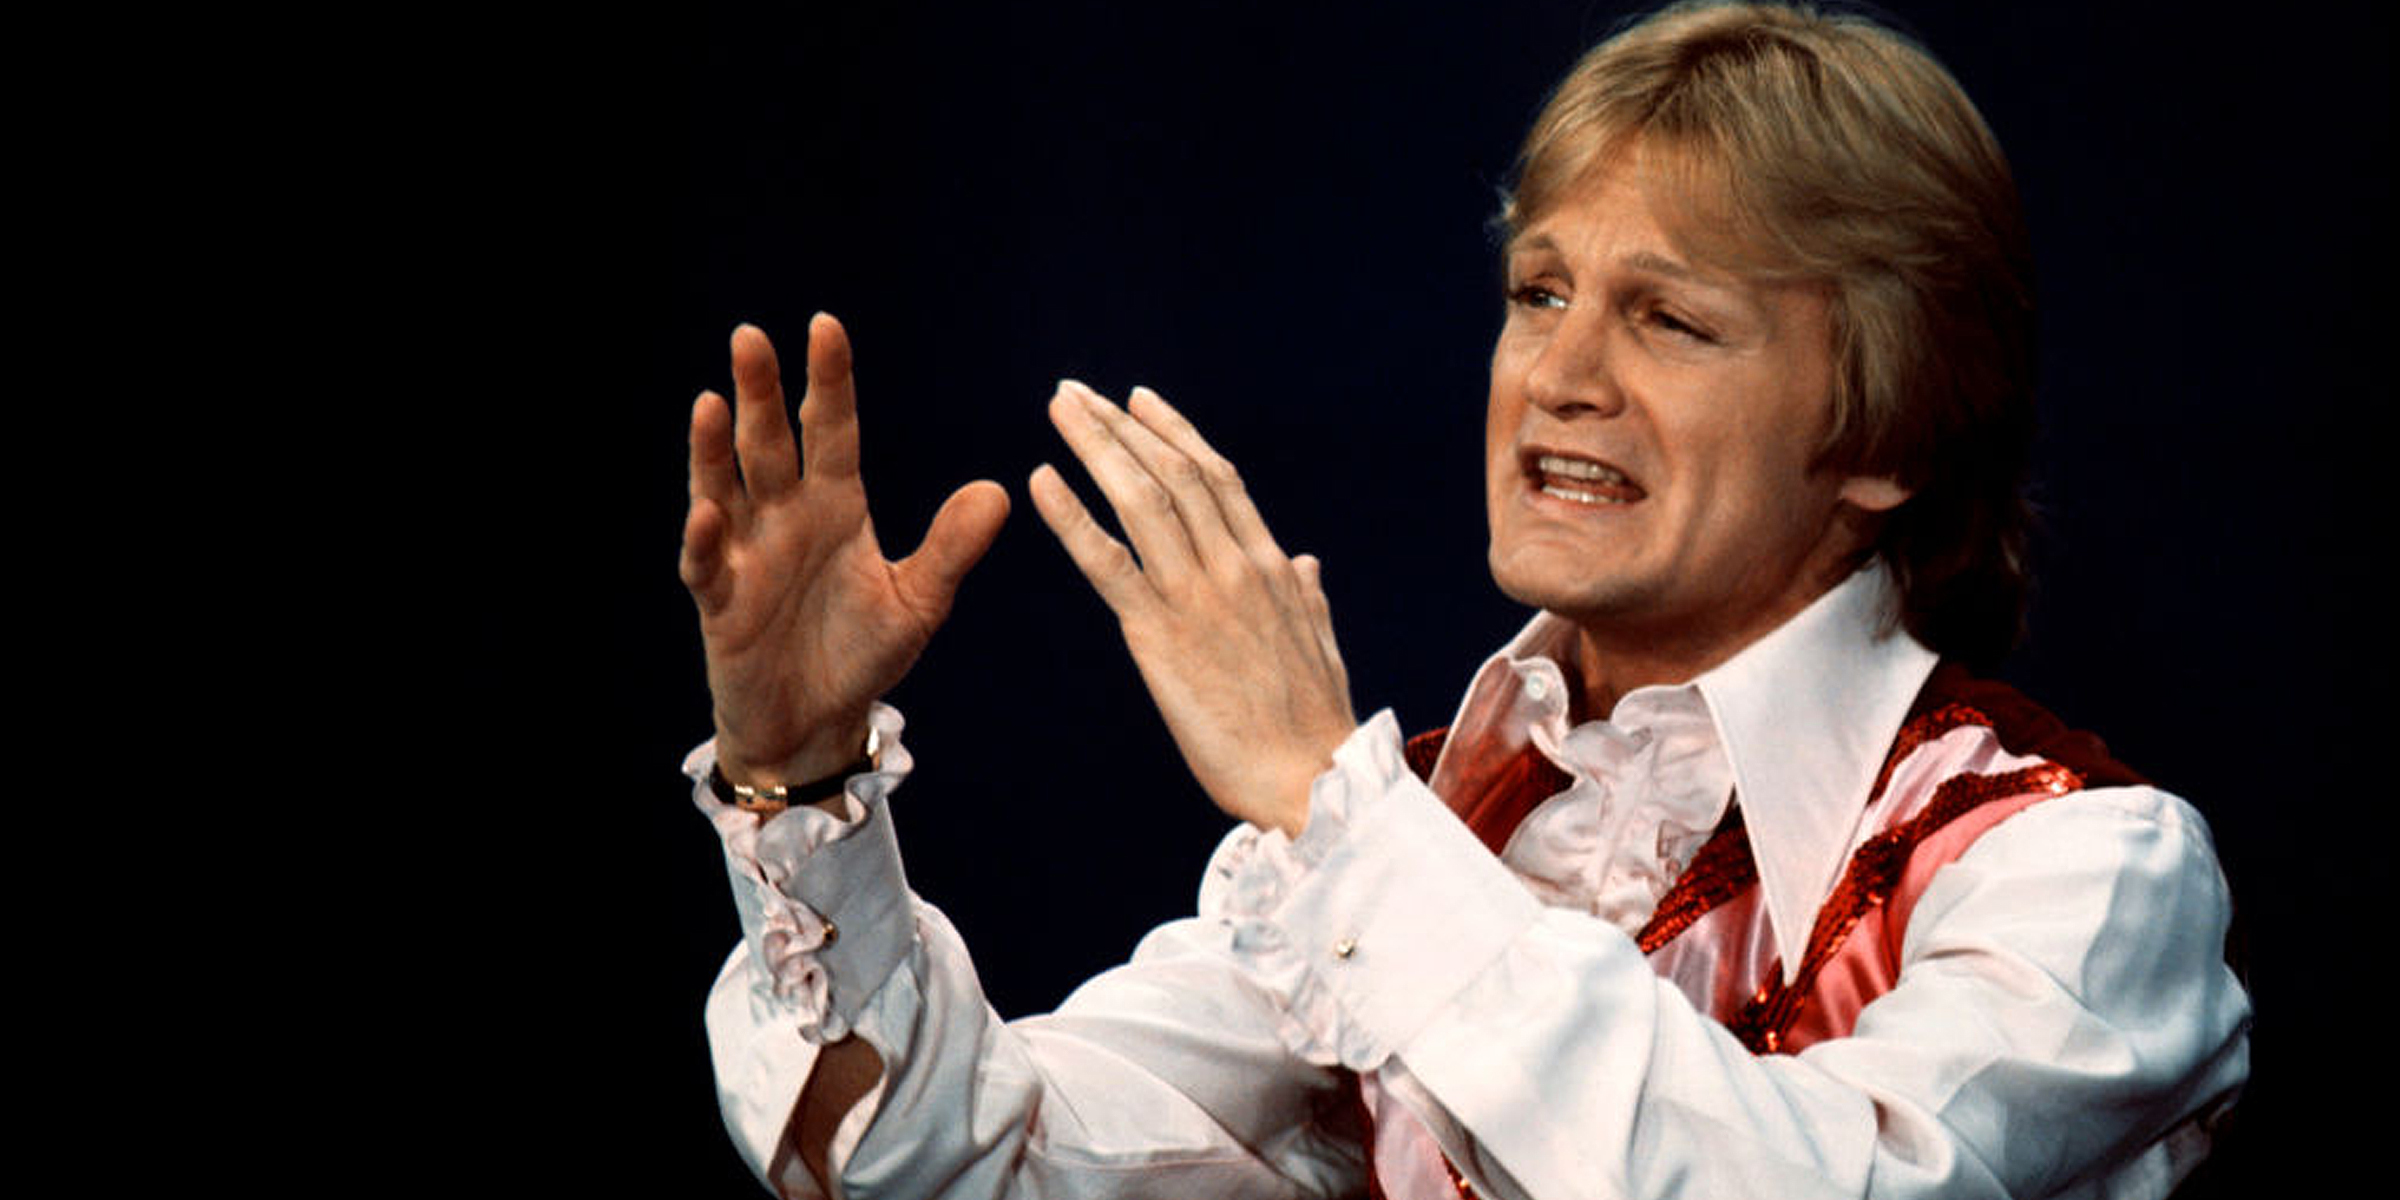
x,y
1275,214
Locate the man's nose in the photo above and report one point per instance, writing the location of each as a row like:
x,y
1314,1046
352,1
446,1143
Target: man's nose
x,y
1575,371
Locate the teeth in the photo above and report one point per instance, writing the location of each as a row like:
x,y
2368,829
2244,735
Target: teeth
x,y
1552,489
1576,468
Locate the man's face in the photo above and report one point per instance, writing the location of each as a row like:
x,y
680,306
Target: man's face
x,y
1652,420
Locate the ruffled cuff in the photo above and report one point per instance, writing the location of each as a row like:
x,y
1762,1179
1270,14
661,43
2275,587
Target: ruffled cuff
x,y
822,899
1378,912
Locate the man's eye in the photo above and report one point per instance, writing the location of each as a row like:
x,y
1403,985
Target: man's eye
x,y
1534,295
1676,325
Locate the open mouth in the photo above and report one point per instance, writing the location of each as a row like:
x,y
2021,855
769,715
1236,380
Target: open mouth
x,y
1581,480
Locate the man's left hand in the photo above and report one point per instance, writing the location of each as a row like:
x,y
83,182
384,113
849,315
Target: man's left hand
x,y
1232,636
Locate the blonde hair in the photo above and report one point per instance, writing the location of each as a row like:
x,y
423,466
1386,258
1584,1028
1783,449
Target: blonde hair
x,y
1827,148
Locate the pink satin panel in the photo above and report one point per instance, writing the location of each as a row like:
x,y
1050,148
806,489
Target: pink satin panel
x,y
1716,962
1868,962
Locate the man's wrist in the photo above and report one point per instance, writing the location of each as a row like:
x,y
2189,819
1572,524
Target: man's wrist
x,y
811,775
773,799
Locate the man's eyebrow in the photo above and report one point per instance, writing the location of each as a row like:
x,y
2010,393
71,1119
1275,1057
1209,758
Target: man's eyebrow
x,y
1650,261
1530,243
1645,260
1659,264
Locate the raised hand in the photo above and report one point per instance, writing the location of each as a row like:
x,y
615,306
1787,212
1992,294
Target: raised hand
x,y
1232,636
804,621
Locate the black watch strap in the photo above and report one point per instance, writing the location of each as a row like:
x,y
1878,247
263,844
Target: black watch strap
x,y
771,800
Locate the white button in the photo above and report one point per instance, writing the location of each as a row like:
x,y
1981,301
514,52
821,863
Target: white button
x,y
1345,947
1537,686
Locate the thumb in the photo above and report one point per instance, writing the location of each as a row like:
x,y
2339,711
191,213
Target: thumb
x,y
1312,586
1320,612
964,528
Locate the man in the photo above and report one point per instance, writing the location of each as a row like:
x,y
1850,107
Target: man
x,y
1721,883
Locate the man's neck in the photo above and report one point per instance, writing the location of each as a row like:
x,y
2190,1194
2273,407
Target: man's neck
x,y
1613,658
1607,668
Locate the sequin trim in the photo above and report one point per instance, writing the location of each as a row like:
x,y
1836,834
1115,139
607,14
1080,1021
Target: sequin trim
x,y
1874,870
1721,871
1424,750
1919,731
1466,1191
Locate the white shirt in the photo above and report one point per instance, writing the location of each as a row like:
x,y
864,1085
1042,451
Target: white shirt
x,y
2062,1016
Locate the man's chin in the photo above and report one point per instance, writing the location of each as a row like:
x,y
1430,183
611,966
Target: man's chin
x,y
1577,597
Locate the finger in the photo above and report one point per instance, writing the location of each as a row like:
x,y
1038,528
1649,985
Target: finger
x,y
1186,480
762,434
1104,560
1144,507
712,467
1232,497
829,409
702,565
960,534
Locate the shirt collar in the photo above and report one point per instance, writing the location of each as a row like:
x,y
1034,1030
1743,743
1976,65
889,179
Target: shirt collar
x,y
1805,717
1808,714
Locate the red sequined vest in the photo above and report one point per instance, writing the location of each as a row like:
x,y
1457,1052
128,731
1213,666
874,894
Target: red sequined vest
x,y
1853,950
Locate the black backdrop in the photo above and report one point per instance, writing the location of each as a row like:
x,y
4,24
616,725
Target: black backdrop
x,y
1275,214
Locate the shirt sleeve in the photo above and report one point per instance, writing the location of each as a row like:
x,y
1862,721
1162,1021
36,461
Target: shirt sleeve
x,y
2062,1010
1166,1077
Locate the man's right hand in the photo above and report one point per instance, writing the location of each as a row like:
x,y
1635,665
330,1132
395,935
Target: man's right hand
x,y
804,621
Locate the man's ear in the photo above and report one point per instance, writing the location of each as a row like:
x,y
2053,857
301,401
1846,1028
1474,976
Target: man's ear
x,y
1873,493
